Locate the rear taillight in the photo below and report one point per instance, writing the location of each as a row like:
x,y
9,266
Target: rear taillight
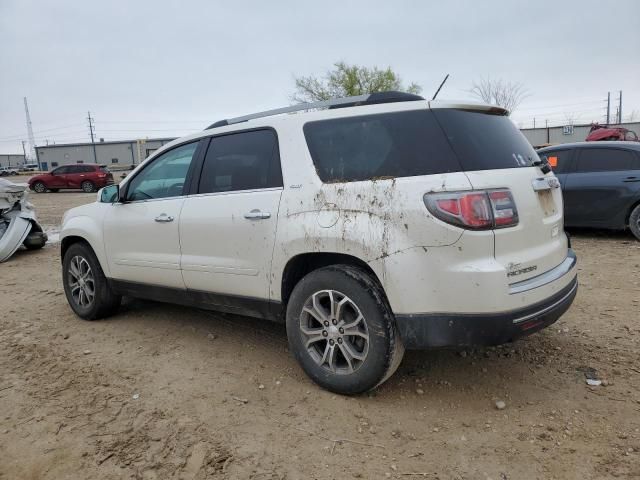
x,y
475,210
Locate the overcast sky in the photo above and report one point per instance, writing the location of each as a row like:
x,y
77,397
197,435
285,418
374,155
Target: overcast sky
x,y
166,68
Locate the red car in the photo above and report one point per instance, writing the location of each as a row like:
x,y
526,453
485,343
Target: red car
x,y
604,132
88,177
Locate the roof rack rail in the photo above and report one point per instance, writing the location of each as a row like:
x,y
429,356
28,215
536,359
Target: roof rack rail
x,y
355,101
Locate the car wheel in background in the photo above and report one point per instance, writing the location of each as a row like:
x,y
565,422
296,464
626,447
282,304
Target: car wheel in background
x,y
88,186
85,285
634,222
342,331
39,187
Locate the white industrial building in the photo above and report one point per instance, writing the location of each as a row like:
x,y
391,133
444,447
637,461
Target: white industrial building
x,y
11,159
116,153
567,133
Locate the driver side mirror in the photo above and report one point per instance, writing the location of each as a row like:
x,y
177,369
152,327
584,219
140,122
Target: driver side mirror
x,y
110,194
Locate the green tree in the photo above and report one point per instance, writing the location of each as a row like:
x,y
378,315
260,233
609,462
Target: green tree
x,y
348,80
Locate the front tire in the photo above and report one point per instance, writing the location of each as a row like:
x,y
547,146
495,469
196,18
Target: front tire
x,y
634,222
39,187
85,285
342,331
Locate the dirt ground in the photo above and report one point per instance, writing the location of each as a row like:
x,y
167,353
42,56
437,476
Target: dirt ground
x,y
166,392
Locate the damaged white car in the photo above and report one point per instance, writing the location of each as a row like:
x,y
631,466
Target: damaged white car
x,y
18,225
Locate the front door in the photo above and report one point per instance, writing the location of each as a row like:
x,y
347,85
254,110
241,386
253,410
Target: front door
x,y
141,233
227,230
58,177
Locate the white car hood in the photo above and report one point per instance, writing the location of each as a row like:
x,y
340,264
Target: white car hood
x,y
17,217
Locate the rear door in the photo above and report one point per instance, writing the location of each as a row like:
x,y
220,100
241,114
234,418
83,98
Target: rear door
x,y
227,230
560,161
602,187
494,154
78,174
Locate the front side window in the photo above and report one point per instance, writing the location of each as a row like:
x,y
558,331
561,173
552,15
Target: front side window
x,y
165,176
604,160
241,161
60,171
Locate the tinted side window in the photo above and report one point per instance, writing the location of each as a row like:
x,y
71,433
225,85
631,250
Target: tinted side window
x,y
60,171
165,176
241,161
604,160
558,159
401,144
84,169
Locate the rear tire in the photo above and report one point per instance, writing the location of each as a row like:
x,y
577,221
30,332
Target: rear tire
x,y
39,187
87,289
342,331
87,186
634,222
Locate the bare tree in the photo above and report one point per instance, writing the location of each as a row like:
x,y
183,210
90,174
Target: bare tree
x,y
505,94
569,118
633,116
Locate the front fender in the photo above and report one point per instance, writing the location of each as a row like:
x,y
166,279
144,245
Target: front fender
x,y
89,230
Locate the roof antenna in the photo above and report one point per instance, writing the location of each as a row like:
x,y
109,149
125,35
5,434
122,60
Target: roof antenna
x,y
438,91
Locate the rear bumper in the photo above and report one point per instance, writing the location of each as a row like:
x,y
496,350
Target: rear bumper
x,y
421,331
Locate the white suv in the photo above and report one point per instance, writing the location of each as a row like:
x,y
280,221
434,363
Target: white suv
x,y
380,223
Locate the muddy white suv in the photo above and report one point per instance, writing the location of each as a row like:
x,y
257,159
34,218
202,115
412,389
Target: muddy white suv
x,y
378,223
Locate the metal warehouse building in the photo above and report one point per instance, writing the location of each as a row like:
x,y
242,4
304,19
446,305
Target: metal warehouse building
x,y
117,153
11,159
567,133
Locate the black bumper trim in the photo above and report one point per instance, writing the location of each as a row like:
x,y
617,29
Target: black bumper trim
x,y
435,330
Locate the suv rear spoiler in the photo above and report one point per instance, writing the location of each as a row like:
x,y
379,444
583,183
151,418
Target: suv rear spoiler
x,y
470,106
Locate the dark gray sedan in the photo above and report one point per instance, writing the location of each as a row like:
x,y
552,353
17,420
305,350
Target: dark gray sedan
x,y
600,183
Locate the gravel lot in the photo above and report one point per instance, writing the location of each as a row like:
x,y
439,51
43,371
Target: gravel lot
x,y
163,392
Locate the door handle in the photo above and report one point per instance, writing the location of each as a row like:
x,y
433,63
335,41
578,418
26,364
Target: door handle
x,y
631,179
256,214
164,218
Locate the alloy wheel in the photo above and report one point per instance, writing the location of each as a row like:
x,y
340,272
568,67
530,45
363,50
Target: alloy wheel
x,y
81,282
334,332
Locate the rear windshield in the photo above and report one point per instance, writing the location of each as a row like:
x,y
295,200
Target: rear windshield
x,y
420,142
485,142
399,144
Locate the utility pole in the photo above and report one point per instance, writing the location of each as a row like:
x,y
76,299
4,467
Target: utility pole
x,y
24,154
620,109
32,141
93,143
608,106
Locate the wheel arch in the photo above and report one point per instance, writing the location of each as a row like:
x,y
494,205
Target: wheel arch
x,y
630,211
300,265
84,230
